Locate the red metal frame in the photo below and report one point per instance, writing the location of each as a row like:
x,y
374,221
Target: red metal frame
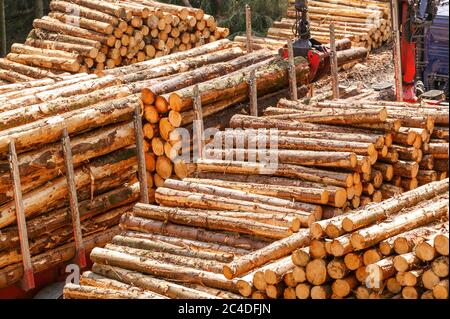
x,y
408,57
42,279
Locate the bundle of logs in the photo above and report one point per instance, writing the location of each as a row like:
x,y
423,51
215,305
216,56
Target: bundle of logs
x,y
179,248
365,23
169,105
419,150
91,35
394,249
98,115
193,248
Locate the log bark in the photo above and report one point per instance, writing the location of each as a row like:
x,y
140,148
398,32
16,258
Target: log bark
x,y
337,195
216,222
372,235
272,251
240,195
270,75
173,198
301,194
151,267
150,283
284,170
12,274
72,291
46,131
383,210
205,73
185,232
287,221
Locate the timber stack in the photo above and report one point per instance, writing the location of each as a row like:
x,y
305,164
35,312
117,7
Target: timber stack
x,y
419,150
180,248
216,248
97,113
86,36
169,113
366,23
394,249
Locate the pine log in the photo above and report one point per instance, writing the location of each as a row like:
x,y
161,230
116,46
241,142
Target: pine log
x,y
285,170
33,134
72,291
173,198
204,73
216,222
37,201
198,234
207,265
239,195
415,218
278,249
301,194
12,274
147,266
337,195
381,211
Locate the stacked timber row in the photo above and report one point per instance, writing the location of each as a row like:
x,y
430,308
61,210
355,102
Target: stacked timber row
x,y
98,114
289,152
365,23
169,105
175,251
217,251
394,249
90,35
420,149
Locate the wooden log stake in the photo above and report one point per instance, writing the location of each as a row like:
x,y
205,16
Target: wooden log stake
x,y
334,63
199,125
292,73
73,200
253,94
397,51
248,24
143,182
27,282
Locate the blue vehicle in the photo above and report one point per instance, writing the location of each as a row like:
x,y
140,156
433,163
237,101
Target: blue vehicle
x,y
434,73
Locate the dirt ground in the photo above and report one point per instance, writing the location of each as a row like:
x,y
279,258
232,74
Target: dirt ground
x,y
377,68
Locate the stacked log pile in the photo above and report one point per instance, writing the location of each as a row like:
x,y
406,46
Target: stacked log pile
x,y
169,105
419,151
365,23
177,251
90,36
394,249
302,155
98,114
